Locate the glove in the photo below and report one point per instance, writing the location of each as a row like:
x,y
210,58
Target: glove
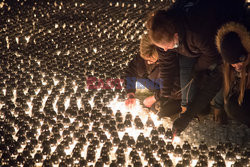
x,y
169,107
158,107
182,122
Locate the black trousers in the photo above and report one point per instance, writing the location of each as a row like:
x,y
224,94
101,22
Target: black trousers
x,y
238,112
208,84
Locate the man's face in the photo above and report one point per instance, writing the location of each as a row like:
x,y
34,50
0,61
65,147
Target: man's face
x,y
168,45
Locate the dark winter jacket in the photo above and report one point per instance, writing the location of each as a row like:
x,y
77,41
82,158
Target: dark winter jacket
x,y
232,107
149,76
197,27
138,69
169,69
243,31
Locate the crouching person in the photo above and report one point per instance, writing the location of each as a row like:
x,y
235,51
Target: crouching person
x,y
143,72
233,42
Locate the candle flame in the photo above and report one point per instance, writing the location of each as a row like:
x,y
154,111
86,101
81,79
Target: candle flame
x,y
27,38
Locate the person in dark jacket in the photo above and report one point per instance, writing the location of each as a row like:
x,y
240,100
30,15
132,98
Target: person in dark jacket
x,y
189,28
143,72
233,42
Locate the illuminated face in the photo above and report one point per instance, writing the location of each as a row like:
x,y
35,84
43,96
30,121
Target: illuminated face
x,y
238,66
168,45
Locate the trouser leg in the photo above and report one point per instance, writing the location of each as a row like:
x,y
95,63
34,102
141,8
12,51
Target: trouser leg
x,y
209,86
188,87
218,100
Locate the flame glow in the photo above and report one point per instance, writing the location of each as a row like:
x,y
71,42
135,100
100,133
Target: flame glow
x,y
176,140
27,38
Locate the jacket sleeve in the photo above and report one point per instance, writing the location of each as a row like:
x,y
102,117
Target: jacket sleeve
x,y
209,57
132,74
169,64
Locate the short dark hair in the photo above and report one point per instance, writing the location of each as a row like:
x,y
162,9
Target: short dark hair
x,y
162,25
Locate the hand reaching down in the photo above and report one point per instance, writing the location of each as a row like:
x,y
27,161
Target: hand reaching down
x,y
149,101
130,102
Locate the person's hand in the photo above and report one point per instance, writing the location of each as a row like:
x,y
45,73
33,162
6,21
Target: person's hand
x,y
130,102
181,123
149,101
220,116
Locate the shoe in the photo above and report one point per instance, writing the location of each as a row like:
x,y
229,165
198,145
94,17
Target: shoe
x,y
181,123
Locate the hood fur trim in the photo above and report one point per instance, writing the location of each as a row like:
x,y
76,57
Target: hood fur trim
x,y
238,28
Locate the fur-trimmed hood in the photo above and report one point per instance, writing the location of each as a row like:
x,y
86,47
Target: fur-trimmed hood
x,y
238,28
